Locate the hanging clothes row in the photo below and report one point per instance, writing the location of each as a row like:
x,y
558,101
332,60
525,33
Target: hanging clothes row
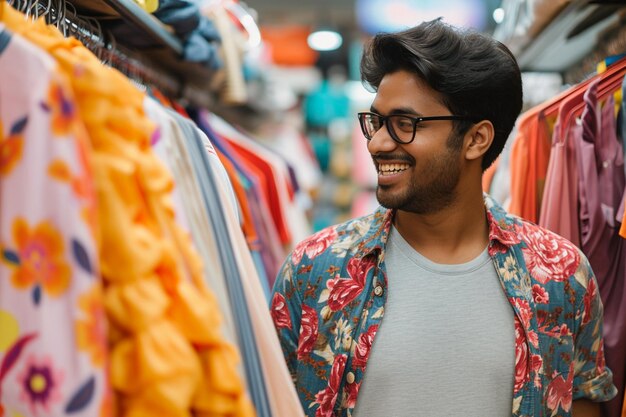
x,y
126,283
273,219
567,174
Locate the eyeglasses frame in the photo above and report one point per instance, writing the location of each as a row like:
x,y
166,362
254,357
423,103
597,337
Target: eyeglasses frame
x,y
415,120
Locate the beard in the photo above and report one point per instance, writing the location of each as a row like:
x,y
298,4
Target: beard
x,y
429,191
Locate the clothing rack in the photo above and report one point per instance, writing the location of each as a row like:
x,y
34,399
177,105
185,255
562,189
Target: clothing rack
x,y
160,67
564,40
131,12
611,43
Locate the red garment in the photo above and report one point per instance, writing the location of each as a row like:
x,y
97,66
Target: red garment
x,y
248,227
270,179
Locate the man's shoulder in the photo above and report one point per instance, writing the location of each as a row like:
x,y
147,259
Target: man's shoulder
x,y
338,240
511,228
531,231
549,257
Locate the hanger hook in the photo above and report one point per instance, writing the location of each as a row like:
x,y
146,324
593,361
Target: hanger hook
x,y
111,45
47,10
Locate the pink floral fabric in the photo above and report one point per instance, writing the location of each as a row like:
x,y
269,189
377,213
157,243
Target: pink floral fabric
x,y
53,350
329,302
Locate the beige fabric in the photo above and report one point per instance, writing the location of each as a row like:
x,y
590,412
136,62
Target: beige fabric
x,y
235,89
190,209
280,389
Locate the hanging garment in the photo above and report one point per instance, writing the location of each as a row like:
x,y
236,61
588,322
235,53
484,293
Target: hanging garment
x,y
601,184
559,209
276,184
241,205
185,167
622,124
254,182
288,142
280,388
529,164
188,204
53,351
162,361
249,224
500,189
216,205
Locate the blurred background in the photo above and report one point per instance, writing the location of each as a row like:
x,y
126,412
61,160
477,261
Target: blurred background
x,y
304,70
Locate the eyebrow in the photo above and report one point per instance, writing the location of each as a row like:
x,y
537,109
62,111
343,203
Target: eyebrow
x,y
398,110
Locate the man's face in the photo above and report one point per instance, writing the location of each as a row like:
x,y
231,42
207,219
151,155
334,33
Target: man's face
x,y
422,176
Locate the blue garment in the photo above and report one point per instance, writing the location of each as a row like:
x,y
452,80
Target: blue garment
x,y
197,33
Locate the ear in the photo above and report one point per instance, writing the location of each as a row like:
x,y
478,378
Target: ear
x,y
478,139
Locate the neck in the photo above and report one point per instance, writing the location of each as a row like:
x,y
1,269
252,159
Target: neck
x,y
456,234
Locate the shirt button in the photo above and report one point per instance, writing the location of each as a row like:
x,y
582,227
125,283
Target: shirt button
x,y
378,291
350,378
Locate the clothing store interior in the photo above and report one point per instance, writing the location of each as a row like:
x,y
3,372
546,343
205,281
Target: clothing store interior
x,y
160,159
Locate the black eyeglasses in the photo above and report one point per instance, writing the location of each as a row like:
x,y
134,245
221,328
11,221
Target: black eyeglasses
x,y
401,128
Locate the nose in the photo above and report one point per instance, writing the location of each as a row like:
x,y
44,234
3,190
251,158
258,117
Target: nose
x,y
381,142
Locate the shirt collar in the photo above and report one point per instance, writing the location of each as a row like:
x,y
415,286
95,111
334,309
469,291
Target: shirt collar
x,y
502,230
502,226
374,241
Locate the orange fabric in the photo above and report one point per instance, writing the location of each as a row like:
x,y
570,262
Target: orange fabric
x,y
288,45
519,168
248,227
529,165
164,322
622,233
160,97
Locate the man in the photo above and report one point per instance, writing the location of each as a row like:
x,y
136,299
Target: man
x,y
440,303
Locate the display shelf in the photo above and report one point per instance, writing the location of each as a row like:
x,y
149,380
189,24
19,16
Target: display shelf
x,y
569,37
165,51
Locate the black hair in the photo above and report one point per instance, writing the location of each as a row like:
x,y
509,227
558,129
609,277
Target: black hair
x,y
477,76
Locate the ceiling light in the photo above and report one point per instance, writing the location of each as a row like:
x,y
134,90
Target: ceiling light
x,y
498,15
324,40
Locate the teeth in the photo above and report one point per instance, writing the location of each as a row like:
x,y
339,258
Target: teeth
x,y
388,169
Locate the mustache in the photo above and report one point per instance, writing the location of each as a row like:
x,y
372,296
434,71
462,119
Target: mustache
x,y
390,157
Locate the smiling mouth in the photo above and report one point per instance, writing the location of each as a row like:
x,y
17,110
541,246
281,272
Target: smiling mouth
x,y
391,169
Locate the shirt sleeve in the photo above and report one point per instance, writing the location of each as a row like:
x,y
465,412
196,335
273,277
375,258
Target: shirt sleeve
x,y
286,311
592,378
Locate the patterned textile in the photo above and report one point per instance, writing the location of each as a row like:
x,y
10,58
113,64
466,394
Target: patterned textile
x,y
53,349
167,355
329,301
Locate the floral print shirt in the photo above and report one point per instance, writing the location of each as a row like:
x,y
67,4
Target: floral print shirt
x,y
329,301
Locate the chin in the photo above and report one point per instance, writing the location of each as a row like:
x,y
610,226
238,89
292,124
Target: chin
x,y
390,200
424,203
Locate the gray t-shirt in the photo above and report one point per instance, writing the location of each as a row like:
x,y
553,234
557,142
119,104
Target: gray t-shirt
x,y
446,345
